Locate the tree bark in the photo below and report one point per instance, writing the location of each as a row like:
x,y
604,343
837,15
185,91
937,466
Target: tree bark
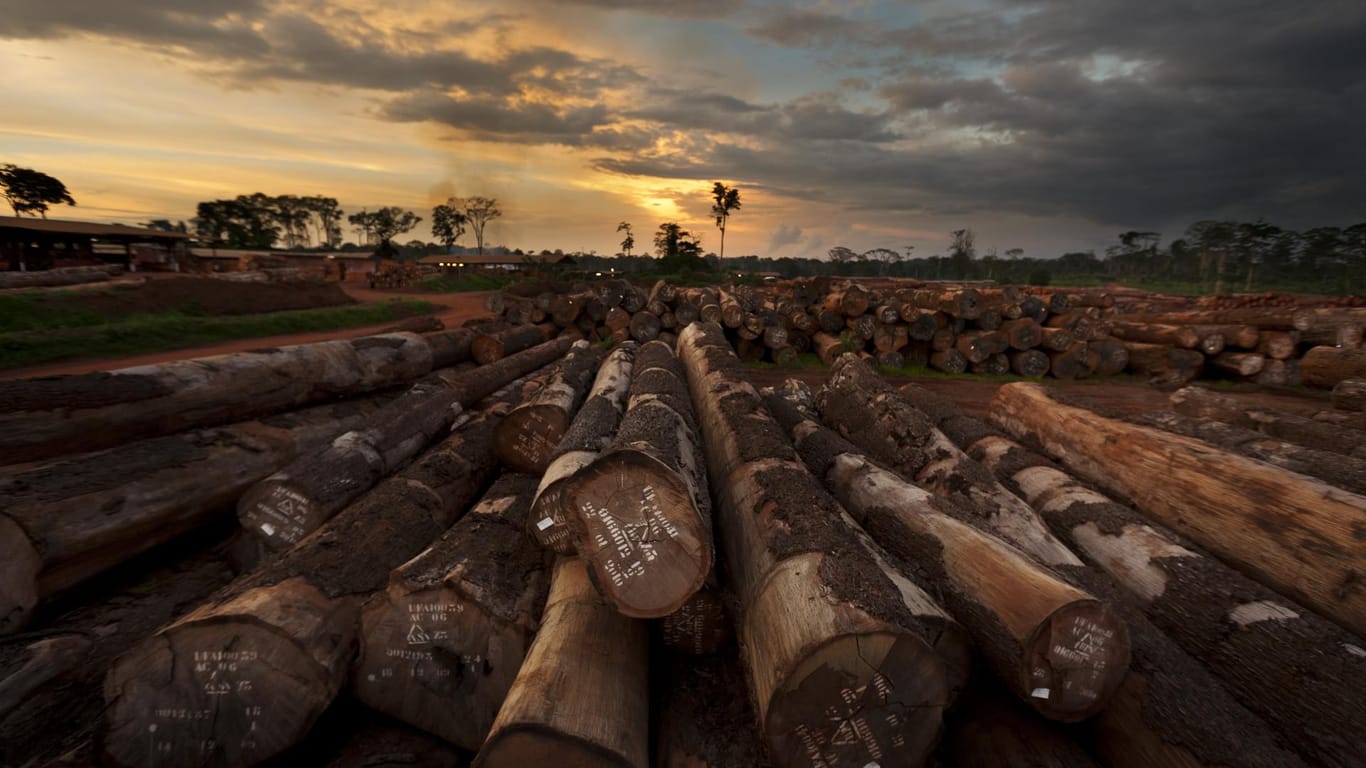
x,y
1156,333
1164,363
1055,647
1031,363
245,675
1023,333
490,348
581,697
1240,336
1110,356
1243,364
1321,367
45,662
46,417
703,721
67,521
1290,532
1319,435
1350,395
640,512
529,435
993,731
476,384
826,625
449,348
441,646
1265,318
587,437
1056,339
644,326
1075,362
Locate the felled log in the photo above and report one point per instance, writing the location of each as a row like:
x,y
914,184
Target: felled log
x,y
59,277
1350,395
1247,635
827,625
948,361
1165,363
1278,345
1023,333
1254,516
67,521
245,675
644,326
492,347
1055,647
1075,362
441,646
703,721
1279,373
1056,339
1264,318
1239,363
374,742
995,365
829,347
46,662
1323,436
527,437
1134,729
1156,333
1321,367
991,730
478,383
637,511
588,436
1030,362
294,501
852,301
1109,356
581,697
1334,334
1240,336
449,348
45,417
865,410
977,346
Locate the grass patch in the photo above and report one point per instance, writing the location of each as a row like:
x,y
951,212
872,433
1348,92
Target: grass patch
x,y
40,311
176,330
465,283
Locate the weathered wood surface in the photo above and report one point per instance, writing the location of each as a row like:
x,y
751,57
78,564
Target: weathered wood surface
x,y
528,436
1295,534
581,697
992,730
587,437
440,647
640,512
1350,395
1058,649
703,721
826,623
46,417
66,521
245,675
1333,438
492,347
1324,367
475,384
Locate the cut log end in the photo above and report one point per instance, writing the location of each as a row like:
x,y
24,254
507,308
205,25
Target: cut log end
x,y
700,627
19,566
640,533
859,699
278,514
1075,661
527,437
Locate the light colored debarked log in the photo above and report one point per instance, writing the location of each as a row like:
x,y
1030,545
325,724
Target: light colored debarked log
x,y
440,647
582,695
827,626
1295,534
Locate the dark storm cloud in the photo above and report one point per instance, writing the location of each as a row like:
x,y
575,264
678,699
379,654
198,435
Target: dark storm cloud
x,y
216,25
816,116
801,28
494,119
684,8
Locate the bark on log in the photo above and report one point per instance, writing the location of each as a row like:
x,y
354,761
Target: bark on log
x,y
492,347
826,622
45,663
1350,395
1156,333
46,417
1334,334
1290,532
449,348
640,512
245,675
704,722
1056,339
1320,435
1023,333
921,323
990,730
58,277
529,435
1055,647
1321,367
1075,362
476,384
67,521
1164,363
948,361
1031,363
295,501
644,326
581,697
1110,356
865,410
1243,364
1240,336
588,436
440,647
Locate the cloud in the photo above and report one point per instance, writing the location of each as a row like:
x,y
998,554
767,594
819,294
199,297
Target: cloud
x,y
784,236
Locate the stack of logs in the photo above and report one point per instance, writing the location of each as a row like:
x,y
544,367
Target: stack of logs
x,y
540,551
960,329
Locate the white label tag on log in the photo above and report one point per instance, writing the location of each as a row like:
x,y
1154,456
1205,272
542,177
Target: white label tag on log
x,y
544,524
1040,693
268,528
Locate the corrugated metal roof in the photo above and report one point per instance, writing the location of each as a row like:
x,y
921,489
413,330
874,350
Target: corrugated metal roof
x,y
493,260
65,227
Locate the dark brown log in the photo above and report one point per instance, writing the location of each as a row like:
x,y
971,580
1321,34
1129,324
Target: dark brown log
x,y
977,346
1321,367
67,521
1239,363
45,417
687,314
1075,362
664,291
581,698
1109,356
632,298
1023,333
618,319
528,436
644,326
1265,318
1333,468
775,336
886,314
1034,308
852,301
639,512
704,722
943,340
965,303
785,355
830,321
58,277
1323,436
45,663
864,409
890,338
440,647
995,365
474,385
921,323
449,348
1279,373
826,622
863,325
1288,531
948,361
1056,339
588,436
1031,363
891,360
1155,333
1164,363
990,319
296,500
1334,334
380,743
1240,336
991,730
703,625
565,308
492,347
1055,647
246,674
1350,395
829,347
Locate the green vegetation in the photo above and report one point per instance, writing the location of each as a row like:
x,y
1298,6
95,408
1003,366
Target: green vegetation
x,y
78,337
474,281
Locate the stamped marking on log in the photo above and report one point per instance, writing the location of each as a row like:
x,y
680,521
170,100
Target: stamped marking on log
x,y
285,514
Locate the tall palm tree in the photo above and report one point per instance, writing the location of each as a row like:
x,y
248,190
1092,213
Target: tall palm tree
x,y
726,199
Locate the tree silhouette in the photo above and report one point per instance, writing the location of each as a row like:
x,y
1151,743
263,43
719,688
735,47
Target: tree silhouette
x,y
678,249
628,242
30,191
479,211
448,222
726,199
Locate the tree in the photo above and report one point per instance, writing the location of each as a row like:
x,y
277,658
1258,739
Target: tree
x,y
726,199
246,221
293,213
479,211
448,222
678,249
884,257
329,219
962,251
30,191
388,223
165,225
628,242
1211,239
842,255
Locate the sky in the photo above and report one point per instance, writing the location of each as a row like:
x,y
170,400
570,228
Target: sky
x,y
1046,125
